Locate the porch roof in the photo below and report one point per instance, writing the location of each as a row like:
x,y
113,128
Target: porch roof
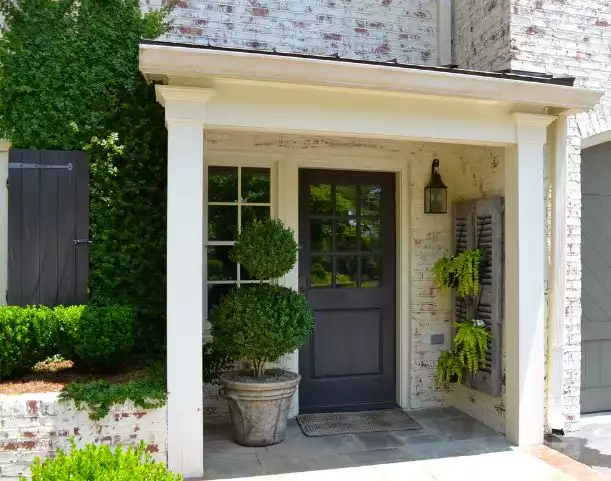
x,y
181,64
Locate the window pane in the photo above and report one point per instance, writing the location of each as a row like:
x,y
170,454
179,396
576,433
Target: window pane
x,y
255,185
220,267
345,200
320,199
370,203
320,234
250,214
222,184
371,272
321,272
222,222
370,234
347,271
215,293
345,235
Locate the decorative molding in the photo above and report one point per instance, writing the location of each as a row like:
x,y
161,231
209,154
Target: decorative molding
x,y
532,128
165,93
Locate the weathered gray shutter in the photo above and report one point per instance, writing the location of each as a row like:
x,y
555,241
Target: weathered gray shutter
x,y
463,239
489,238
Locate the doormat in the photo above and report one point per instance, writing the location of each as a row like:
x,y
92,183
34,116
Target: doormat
x,y
329,424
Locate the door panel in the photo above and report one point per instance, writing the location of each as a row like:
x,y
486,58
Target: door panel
x,y
347,268
596,279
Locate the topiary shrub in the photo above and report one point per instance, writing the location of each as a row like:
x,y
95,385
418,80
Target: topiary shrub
x,y
104,336
26,337
100,463
262,322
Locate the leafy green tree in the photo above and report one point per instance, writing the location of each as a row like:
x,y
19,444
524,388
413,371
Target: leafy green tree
x,y
69,79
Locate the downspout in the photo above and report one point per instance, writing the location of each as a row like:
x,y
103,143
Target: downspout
x,y
557,279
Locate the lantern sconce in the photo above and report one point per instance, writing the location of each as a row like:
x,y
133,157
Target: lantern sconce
x,y
435,193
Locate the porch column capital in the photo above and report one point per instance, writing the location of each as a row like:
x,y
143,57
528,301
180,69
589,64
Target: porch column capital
x,y
531,128
184,104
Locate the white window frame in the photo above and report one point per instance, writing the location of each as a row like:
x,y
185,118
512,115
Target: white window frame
x,y
239,160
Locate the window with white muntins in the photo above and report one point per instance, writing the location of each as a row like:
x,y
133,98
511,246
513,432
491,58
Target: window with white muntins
x,y
236,196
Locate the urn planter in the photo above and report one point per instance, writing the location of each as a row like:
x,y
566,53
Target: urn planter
x,y
259,406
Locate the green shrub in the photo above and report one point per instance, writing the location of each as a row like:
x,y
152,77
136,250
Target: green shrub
x,y
214,362
67,319
103,336
98,396
26,337
261,323
100,463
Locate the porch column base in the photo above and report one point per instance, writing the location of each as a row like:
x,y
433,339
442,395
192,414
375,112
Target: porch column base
x,y
186,271
525,280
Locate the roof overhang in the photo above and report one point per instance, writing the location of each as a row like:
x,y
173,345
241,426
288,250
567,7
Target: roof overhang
x,y
175,64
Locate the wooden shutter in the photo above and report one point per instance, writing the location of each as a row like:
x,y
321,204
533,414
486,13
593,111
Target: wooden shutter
x,y
489,238
463,239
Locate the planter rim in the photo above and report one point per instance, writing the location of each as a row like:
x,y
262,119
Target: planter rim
x,y
226,379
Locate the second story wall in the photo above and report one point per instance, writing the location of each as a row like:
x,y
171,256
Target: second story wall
x,y
377,30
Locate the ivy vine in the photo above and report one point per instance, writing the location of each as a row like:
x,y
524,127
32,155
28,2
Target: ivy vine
x,y
69,80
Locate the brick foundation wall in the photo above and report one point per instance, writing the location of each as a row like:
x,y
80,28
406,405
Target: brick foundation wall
x,y
380,30
34,425
469,172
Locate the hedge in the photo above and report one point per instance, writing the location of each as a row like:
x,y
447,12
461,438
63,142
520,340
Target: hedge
x,y
100,337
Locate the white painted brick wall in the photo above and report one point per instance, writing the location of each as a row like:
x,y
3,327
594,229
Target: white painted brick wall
x,y
35,425
481,34
470,172
380,30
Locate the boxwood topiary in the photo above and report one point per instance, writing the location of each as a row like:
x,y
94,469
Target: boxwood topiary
x,y
262,322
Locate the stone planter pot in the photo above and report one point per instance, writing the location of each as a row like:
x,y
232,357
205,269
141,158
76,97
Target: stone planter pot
x,y
259,407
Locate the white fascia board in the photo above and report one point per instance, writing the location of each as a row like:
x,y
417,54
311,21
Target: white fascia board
x,y
180,61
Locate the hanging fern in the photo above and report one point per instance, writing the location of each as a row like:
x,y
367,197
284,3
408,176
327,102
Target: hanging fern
x,y
460,271
471,343
450,368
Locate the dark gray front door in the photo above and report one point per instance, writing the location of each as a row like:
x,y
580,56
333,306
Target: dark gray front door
x,y
596,279
347,269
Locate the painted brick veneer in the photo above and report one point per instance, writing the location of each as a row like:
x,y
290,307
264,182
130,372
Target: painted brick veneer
x,y
381,30
469,172
34,425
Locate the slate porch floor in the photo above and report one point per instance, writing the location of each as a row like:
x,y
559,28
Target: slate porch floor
x,y
590,445
451,446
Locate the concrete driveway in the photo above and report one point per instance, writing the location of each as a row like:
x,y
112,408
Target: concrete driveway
x,y
590,445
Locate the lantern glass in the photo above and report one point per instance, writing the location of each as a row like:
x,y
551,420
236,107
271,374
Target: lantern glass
x,y
435,193
435,200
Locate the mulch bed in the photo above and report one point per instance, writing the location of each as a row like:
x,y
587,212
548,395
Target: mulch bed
x,y
54,376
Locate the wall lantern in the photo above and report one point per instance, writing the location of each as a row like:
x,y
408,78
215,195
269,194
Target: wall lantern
x,y
436,193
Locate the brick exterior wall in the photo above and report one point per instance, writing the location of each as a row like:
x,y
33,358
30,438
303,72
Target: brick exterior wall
x,y
380,30
34,425
470,172
560,37
481,34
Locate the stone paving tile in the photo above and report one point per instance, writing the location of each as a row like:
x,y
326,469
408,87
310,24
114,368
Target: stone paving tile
x,y
445,449
381,440
233,466
275,464
379,456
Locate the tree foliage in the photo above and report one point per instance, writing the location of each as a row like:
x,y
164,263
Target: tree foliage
x,y
69,79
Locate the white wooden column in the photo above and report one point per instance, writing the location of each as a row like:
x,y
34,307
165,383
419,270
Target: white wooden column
x,y
525,280
4,149
185,118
